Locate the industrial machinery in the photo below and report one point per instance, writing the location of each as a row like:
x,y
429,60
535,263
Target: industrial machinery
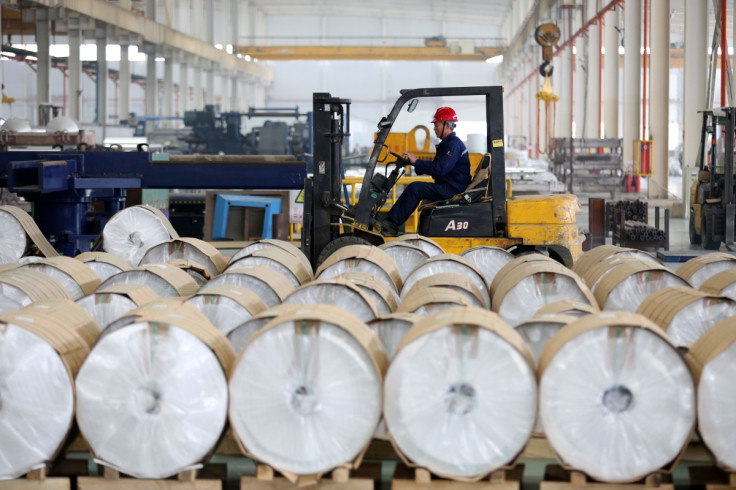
x,y
213,134
485,214
712,209
75,193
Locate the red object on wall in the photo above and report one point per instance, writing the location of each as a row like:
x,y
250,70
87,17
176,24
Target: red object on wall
x,y
637,184
628,182
645,158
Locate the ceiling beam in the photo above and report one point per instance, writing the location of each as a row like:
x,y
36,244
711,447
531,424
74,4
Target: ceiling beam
x,y
478,53
158,34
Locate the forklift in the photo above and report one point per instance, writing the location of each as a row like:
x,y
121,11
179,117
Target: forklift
x,y
485,214
712,209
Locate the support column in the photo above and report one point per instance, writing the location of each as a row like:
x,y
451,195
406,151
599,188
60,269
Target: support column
x,y
610,71
151,86
234,102
124,82
183,88
695,69
632,77
563,123
660,98
102,73
224,93
168,96
74,72
197,88
580,84
43,63
209,95
593,96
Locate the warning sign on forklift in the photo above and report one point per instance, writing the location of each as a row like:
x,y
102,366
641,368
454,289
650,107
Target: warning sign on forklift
x,y
497,143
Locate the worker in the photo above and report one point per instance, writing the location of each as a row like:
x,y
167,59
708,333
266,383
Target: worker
x,y
450,170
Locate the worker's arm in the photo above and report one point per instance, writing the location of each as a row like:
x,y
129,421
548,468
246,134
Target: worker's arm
x,y
443,163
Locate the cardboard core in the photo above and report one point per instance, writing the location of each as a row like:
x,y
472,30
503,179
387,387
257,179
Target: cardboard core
x,y
460,399
618,399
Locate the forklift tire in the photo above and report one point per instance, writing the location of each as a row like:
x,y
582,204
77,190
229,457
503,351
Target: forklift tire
x,y
337,244
695,239
706,226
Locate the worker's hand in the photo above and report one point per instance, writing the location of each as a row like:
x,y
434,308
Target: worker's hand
x,y
410,156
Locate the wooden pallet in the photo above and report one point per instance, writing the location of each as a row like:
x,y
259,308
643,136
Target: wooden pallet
x,y
711,477
265,479
576,480
406,478
37,479
111,480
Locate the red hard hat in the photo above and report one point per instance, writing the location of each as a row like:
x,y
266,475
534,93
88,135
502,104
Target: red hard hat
x,y
445,114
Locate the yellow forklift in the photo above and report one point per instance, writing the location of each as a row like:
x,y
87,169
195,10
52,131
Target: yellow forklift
x,y
484,214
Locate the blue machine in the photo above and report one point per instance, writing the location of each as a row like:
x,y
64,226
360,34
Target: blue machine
x,y
75,193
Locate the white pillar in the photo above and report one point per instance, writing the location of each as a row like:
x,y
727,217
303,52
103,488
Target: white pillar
x,y
197,89
530,106
224,93
610,71
695,70
124,82
209,85
75,73
234,102
151,85
632,76
660,97
563,126
168,96
593,97
183,88
580,82
102,83
43,63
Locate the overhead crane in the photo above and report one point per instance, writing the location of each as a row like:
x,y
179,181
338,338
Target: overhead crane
x,y
406,53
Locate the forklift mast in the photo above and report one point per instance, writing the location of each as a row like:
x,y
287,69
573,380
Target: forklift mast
x,y
322,203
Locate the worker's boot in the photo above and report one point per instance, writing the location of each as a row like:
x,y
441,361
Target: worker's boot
x,y
389,228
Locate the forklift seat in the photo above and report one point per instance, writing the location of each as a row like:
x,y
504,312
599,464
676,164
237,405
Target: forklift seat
x,y
476,191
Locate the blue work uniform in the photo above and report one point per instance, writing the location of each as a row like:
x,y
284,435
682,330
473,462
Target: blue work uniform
x,y
450,170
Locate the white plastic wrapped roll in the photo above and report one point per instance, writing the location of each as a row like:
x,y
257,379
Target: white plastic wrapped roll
x,y
628,283
432,300
429,246
506,270
698,269
713,361
240,335
488,260
604,252
448,263
537,330
272,243
36,401
721,284
336,292
227,306
391,328
270,285
74,276
384,297
41,348
20,287
533,285
13,239
455,282
165,279
152,397
305,393
362,258
186,249
131,232
460,394
104,264
108,304
616,398
277,259
686,313
406,256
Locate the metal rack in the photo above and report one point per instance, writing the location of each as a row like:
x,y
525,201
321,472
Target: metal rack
x,y
588,165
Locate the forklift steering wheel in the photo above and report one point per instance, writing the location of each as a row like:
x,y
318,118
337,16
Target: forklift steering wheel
x,y
400,161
